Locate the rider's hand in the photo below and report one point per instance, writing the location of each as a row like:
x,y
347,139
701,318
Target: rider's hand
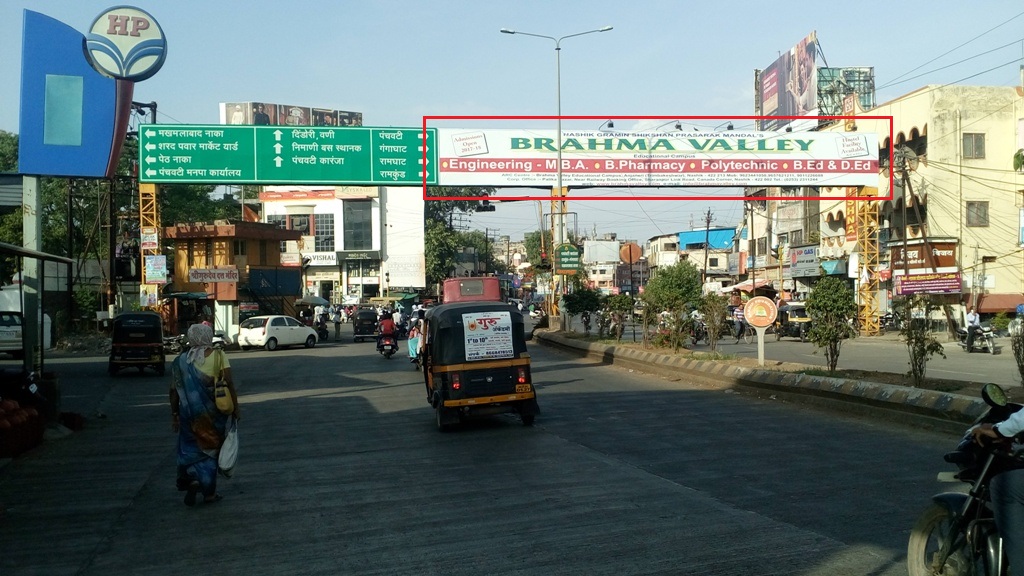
x,y
983,431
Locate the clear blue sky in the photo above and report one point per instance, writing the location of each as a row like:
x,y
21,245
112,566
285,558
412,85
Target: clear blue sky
x,y
397,60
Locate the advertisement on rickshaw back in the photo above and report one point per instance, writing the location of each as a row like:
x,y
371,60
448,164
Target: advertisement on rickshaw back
x,y
488,335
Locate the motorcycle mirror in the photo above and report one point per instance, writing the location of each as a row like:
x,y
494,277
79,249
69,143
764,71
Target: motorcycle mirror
x,y
993,395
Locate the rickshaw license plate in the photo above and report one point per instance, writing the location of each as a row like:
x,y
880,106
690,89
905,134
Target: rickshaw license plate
x,y
522,388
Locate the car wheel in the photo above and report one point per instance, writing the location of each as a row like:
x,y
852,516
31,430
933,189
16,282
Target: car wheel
x,y
271,344
161,368
243,348
527,419
310,341
112,369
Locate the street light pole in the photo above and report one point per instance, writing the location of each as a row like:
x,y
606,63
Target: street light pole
x,y
559,224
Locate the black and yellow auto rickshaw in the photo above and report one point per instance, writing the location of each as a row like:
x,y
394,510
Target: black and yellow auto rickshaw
x,y
793,321
137,339
364,324
475,362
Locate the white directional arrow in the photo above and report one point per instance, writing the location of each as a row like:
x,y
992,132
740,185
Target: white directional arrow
x,y
277,161
150,172
150,133
150,146
150,159
277,135
277,148
419,148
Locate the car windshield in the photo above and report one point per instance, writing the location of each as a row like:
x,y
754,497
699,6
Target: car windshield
x,y
253,323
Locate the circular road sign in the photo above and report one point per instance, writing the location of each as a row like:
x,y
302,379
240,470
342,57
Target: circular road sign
x,y
760,312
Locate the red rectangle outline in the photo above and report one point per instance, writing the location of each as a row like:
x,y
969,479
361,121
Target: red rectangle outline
x,y
549,196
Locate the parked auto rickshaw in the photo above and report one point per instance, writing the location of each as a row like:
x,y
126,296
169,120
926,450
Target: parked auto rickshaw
x,y
364,324
475,362
137,339
793,321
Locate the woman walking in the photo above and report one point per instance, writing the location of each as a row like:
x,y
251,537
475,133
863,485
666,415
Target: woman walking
x,y
200,426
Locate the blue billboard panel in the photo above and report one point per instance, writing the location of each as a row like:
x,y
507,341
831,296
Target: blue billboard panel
x,y
67,108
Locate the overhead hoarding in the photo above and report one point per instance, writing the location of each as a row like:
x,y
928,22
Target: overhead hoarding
x,y
529,158
270,114
214,154
789,87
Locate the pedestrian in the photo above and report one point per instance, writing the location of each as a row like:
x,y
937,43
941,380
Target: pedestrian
x,y
336,318
414,340
200,426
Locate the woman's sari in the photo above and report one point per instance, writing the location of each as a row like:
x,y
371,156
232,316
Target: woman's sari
x,y
201,427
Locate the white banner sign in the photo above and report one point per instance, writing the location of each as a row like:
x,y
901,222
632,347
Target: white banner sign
x,y
597,158
804,262
213,275
488,335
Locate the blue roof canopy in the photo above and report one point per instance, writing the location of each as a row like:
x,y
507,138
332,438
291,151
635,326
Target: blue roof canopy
x,y
719,238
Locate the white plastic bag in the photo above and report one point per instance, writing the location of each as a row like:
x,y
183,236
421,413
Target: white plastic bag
x,y
229,450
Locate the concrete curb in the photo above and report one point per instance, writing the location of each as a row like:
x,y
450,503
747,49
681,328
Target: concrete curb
x,y
927,408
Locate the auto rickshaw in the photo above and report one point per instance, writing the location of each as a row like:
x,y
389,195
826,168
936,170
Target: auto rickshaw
x,y
137,339
475,362
793,321
364,324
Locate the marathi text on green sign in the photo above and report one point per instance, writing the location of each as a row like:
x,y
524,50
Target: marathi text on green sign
x,y
286,155
567,260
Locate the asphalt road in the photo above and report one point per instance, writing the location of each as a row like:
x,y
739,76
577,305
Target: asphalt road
x,y
342,471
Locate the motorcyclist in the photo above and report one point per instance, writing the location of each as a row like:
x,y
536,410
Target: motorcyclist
x,y
1007,489
385,327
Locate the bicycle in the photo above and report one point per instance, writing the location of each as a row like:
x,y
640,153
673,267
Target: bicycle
x,y
748,334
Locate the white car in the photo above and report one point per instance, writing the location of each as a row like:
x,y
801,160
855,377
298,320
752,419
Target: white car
x,y
10,334
272,332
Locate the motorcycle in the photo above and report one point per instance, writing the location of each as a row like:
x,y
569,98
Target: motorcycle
x,y
699,332
984,339
219,340
387,346
956,534
586,323
175,344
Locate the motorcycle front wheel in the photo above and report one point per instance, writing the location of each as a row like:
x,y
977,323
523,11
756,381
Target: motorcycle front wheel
x,y
926,539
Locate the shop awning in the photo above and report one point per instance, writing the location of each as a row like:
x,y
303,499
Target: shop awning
x,y
991,303
747,285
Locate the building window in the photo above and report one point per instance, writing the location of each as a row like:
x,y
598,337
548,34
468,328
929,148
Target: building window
x,y
977,213
324,226
762,246
796,238
209,252
974,145
239,247
358,223
281,221
299,222
712,262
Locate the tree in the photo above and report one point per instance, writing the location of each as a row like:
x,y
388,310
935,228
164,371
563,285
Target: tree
x,y
581,299
442,210
440,245
8,152
620,307
831,305
713,307
921,343
675,290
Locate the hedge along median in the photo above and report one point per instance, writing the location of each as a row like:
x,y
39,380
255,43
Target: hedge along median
x,y
939,410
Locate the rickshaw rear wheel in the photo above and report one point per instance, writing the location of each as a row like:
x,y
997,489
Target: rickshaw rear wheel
x,y
527,419
439,414
160,368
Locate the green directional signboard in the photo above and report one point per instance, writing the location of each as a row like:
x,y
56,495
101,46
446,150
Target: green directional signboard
x,y
567,260
215,154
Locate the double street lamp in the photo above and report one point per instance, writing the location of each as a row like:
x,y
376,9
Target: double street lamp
x,y
557,191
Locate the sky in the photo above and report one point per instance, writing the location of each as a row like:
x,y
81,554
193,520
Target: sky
x,y
398,60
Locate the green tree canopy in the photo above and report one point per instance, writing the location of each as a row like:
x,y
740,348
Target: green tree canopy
x,y
831,304
673,288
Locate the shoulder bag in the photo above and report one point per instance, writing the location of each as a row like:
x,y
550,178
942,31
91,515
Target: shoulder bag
x,y
221,392
228,455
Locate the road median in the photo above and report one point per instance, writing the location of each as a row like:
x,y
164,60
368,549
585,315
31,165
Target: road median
x,y
932,409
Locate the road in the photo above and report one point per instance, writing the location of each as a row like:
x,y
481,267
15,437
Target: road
x,y
883,354
343,472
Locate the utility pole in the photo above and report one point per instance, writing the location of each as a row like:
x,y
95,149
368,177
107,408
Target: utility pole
x,y
708,217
